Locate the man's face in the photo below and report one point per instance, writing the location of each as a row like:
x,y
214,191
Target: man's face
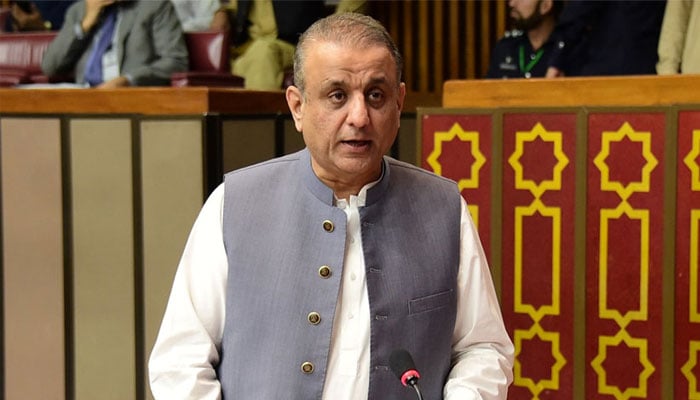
x,y
525,14
349,112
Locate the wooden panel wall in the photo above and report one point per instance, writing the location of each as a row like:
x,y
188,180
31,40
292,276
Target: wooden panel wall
x,y
95,212
442,39
103,257
32,250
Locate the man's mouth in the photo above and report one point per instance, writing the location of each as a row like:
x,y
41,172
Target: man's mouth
x,y
356,143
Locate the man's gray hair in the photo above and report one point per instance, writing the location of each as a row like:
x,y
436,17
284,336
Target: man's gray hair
x,y
349,29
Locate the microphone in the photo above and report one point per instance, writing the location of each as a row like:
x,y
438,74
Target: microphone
x,y
401,362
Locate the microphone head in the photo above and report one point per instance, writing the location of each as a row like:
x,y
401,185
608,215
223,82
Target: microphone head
x,y
401,363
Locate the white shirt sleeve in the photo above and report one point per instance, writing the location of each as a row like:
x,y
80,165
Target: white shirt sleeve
x,y
482,352
182,362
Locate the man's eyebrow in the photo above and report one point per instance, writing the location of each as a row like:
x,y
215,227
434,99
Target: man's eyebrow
x,y
380,80
333,83
340,83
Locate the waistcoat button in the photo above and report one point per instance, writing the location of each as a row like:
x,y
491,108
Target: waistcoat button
x,y
314,318
328,226
307,367
324,272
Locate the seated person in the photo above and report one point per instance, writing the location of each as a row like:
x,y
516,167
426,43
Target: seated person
x,y
679,47
36,15
523,52
116,43
265,34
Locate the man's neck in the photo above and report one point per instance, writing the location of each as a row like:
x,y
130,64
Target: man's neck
x,y
538,36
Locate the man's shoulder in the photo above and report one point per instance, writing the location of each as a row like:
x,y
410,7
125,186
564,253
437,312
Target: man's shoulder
x,y
513,34
152,6
422,186
271,166
417,173
510,39
77,8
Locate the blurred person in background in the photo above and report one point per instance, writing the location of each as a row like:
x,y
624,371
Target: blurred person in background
x,y
46,15
523,52
196,15
265,34
109,44
607,38
679,44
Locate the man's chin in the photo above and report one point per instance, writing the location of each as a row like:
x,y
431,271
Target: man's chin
x,y
360,167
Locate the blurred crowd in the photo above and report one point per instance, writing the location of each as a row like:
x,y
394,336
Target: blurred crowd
x,y
116,43
555,38
549,38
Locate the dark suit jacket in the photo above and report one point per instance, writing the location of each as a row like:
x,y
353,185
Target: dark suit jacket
x,y
151,44
608,37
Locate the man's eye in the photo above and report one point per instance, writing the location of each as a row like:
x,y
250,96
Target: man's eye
x,y
375,97
337,97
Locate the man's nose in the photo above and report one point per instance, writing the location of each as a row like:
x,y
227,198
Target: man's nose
x,y
358,114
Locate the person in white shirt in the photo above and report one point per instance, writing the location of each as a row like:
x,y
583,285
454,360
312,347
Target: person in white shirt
x,y
196,15
303,275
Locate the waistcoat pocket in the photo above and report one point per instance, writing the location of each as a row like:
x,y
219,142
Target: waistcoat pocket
x,y
430,302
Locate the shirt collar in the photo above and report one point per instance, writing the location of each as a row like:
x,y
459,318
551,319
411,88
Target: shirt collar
x,y
369,193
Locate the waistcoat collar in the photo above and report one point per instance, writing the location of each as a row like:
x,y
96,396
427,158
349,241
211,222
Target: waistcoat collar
x,y
325,194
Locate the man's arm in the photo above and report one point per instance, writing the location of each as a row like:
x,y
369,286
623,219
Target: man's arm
x,y
69,45
494,71
93,10
569,32
482,352
169,47
27,19
673,36
184,357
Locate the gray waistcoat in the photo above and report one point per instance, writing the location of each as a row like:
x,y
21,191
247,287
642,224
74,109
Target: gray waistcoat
x,y
278,238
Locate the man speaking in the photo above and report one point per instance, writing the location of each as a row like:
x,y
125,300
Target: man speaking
x,y
304,274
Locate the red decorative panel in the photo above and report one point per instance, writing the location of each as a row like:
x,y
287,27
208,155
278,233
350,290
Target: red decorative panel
x,y
624,255
538,251
459,147
687,329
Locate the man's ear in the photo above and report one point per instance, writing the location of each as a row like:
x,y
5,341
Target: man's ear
x,y
401,98
295,101
545,7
